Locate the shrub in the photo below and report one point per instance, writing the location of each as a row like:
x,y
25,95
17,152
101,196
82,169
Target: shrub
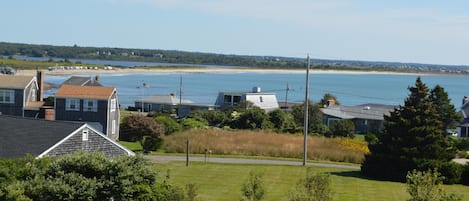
x,y
426,186
465,174
188,123
314,187
253,189
169,123
143,129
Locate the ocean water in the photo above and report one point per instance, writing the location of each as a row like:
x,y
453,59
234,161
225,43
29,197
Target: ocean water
x,y
350,89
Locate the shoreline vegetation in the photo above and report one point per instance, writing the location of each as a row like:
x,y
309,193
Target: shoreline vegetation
x,y
140,70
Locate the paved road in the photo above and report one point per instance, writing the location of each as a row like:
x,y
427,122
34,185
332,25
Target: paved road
x,y
246,161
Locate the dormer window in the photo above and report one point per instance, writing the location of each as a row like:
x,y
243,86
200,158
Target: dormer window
x,y
72,104
90,105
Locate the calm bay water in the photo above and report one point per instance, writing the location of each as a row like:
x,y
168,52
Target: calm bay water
x,y
350,89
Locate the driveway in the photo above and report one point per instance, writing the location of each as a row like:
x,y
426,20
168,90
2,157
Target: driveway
x,y
246,161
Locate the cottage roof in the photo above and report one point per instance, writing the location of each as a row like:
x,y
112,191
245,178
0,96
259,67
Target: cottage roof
x,y
19,136
15,81
164,99
365,111
91,92
82,81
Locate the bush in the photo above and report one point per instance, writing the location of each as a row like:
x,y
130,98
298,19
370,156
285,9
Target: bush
x,y
450,172
465,174
169,123
314,187
189,123
253,189
143,129
426,186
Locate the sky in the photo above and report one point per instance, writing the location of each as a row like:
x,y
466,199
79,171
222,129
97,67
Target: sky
x,y
420,31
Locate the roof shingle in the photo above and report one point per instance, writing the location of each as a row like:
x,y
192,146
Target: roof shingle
x,y
14,81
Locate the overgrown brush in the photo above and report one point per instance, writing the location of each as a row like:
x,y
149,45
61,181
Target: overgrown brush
x,y
264,143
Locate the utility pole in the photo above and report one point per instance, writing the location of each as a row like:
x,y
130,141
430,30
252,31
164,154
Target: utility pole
x,y
306,122
286,97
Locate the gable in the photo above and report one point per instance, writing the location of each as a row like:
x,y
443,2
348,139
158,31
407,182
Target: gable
x,y
86,139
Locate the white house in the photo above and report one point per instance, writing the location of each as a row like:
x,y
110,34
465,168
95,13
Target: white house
x,y
264,100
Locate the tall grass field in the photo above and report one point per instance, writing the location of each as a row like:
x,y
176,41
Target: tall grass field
x,y
264,143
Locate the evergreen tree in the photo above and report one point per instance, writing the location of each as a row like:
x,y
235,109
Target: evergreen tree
x,y
448,115
412,139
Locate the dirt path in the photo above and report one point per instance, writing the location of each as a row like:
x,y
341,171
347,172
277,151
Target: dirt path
x,y
246,161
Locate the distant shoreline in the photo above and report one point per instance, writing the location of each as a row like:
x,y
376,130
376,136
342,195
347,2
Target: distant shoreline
x,y
209,70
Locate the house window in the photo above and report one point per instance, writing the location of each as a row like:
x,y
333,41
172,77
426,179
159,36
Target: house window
x,y
113,105
72,104
7,96
236,100
113,126
227,99
90,105
84,135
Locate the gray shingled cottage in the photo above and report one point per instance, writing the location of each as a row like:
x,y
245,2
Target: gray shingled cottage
x,y
41,138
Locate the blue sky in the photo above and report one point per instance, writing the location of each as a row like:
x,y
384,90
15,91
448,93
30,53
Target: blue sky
x,y
424,31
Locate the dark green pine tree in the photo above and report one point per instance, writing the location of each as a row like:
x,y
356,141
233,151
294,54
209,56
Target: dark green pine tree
x,y
448,115
412,139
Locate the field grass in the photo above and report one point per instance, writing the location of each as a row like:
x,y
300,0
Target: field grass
x,y
264,143
219,182
132,146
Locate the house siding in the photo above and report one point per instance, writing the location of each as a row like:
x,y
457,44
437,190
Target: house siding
x,y
111,116
95,143
16,108
100,116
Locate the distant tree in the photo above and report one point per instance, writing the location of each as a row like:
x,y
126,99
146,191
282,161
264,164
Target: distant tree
x,y
426,186
448,115
253,189
342,128
412,139
315,124
169,123
314,187
326,98
253,118
283,121
214,118
143,129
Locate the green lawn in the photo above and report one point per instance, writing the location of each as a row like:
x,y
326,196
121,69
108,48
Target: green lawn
x,y
218,182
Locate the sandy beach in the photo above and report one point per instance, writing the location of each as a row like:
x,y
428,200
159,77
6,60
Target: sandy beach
x,y
198,70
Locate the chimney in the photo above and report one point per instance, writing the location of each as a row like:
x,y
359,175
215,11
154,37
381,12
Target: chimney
x,y
49,114
256,90
40,84
465,100
330,102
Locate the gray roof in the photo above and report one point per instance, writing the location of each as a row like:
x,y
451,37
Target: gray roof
x,y
164,99
365,111
82,81
15,81
19,136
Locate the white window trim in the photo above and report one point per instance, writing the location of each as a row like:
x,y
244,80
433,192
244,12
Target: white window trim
x,y
68,104
86,108
85,134
11,94
113,127
113,105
